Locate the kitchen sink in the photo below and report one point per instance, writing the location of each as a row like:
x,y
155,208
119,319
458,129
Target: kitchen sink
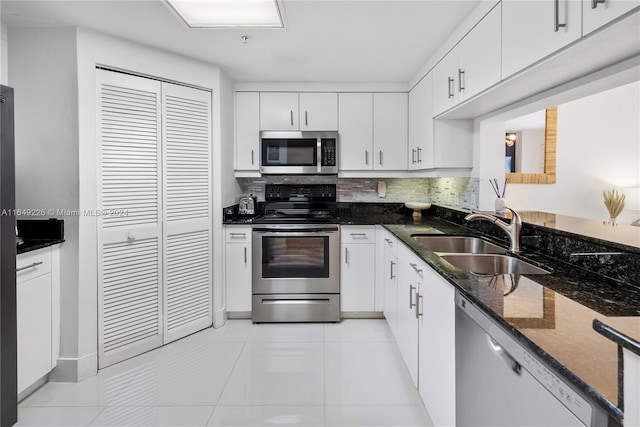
x,y
458,244
491,264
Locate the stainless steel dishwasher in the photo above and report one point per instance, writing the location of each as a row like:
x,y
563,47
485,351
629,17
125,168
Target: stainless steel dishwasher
x,y
499,383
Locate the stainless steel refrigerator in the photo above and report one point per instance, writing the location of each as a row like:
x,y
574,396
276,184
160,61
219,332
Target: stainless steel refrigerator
x,y
8,339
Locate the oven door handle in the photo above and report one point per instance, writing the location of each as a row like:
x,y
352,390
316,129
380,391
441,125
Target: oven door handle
x,y
295,231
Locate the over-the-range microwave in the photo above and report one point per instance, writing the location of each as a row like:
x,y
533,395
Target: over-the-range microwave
x,y
299,152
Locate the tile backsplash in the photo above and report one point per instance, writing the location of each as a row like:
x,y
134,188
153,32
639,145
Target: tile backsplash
x,y
459,192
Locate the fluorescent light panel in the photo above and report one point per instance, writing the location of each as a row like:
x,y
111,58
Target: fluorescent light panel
x,y
228,13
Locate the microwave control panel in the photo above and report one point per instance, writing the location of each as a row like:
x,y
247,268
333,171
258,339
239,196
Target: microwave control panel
x,y
328,152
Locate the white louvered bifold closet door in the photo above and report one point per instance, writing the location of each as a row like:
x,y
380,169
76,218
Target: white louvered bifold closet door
x,y
130,241
186,131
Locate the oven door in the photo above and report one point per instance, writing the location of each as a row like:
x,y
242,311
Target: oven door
x,y
296,259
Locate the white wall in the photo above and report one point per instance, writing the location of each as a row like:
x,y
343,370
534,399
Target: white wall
x,y
43,74
598,149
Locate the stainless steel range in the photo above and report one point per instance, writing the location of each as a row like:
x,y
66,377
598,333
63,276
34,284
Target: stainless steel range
x,y
296,258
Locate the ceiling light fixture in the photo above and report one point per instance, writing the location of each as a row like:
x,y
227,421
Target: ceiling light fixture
x,y
228,13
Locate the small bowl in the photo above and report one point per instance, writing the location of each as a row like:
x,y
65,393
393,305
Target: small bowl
x,y
417,205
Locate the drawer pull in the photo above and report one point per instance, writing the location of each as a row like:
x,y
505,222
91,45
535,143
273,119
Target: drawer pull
x,y
390,242
238,234
359,234
35,264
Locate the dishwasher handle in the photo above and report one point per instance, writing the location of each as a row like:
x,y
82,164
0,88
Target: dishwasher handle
x,y
504,355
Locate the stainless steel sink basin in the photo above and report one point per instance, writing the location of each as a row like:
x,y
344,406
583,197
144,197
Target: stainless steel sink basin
x,y
458,244
491,264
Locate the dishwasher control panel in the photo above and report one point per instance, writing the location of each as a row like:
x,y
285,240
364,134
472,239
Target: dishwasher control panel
x,y
557,387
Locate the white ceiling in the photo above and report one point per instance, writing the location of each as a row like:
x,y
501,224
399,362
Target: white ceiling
x,y
325,40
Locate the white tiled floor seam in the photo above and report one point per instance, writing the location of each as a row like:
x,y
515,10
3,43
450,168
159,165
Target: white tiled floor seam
x,y
264,375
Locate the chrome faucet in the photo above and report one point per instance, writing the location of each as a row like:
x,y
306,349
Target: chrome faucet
x,y
513,230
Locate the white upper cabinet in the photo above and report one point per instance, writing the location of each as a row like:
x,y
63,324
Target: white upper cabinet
x,y
471,67
596,13
532,30
373,131
479,57
355,125
247,131
293,111
390,128
319,111
279,111
421,125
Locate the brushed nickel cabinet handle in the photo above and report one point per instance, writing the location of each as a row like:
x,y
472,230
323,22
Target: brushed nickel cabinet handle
x,y
380,157
359,234
245,254
418,299
392,276
291,111
595,3
366,157
306,119
238,234
35,264
556,15
252,162
419,156
415,267
450,85
413,155
461,82
411,289
346,255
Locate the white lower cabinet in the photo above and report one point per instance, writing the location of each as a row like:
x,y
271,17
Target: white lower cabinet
x,y
38,315
390,276
420,310
237,267
436,349
357,272
409,280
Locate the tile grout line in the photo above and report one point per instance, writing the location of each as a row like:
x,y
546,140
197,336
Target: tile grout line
x,y
244,344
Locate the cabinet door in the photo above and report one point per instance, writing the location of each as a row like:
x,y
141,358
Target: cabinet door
x,y
531,30
445,73
247,131
421,125
278,111
390,129
238,276
355,124
357,277
453,143
595,14
437,380
33,310
407,332
479,56
391,289
319,111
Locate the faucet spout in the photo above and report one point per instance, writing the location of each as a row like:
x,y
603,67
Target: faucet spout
x,y
512,229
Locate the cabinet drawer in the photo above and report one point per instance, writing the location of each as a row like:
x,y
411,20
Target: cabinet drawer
x,y
390,243
358,234
33,264
411,262
238,234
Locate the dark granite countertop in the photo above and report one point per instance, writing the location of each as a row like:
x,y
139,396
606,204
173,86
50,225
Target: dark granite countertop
x,y
551,315
35,244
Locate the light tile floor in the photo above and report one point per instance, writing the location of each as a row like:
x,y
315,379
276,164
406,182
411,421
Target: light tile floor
x,y
345,374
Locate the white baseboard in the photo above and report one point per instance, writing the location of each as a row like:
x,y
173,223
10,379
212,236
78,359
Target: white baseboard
x,y
219,318
75,369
